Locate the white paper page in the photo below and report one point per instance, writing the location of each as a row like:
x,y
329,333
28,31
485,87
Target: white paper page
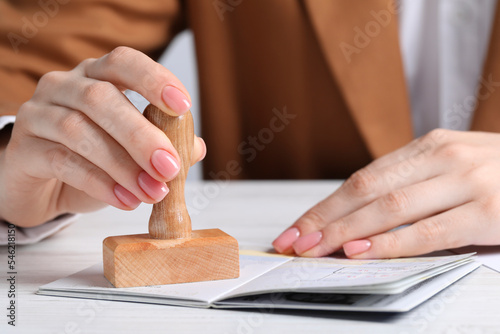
x,y
333,274
352,302
487,255
90,283
406,283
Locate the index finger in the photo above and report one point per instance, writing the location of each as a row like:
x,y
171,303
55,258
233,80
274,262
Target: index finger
x,y
450,229
131,69
362,188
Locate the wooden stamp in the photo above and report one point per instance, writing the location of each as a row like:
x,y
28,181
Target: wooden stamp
x,y
171,252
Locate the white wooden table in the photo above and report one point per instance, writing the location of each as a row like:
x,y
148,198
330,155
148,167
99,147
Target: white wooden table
x,y
253,212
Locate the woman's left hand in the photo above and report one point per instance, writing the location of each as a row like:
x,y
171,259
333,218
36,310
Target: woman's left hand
x,y
446,185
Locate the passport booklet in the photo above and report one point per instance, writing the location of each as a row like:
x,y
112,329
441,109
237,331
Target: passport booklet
x,y
269,281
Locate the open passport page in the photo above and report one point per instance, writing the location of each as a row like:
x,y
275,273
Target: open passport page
x,y
281,282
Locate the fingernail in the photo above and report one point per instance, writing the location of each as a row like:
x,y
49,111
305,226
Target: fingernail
x,y
175,100
307,242
356,247
154,189
165,164
285,240
204,154
126,197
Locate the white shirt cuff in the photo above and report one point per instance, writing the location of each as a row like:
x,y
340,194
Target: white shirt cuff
x,y
31,235
6,120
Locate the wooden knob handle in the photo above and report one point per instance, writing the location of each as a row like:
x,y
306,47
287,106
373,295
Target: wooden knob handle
x,y
170,218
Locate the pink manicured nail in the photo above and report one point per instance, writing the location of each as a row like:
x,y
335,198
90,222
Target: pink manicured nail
x,y
156,190
126,197
175,100
356,247
165,164
307,242
204,154
286,239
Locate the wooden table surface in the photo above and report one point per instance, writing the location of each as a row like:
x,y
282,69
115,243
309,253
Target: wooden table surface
x,y
253,212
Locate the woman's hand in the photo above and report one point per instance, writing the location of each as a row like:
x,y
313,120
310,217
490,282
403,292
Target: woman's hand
x,y
79,144
446,185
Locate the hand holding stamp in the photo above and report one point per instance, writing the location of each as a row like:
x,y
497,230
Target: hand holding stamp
x,y
171,252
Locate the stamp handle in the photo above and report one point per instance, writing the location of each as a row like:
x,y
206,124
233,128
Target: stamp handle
x,y
170,218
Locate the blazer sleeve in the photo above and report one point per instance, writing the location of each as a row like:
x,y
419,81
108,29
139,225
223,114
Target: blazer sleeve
x,y
37,37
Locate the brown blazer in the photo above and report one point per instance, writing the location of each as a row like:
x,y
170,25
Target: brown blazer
x,y
333,66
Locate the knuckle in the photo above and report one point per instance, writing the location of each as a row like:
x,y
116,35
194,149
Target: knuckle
x,y
431,232
86,62
436,136
422,148
26,111
64,163
60,160
91,177
490,206
480,178
454,151
119,54
392,242
27,107
312,219
122,158
395,202
72,124
95,93
361,183
342,230
51,78
142,134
